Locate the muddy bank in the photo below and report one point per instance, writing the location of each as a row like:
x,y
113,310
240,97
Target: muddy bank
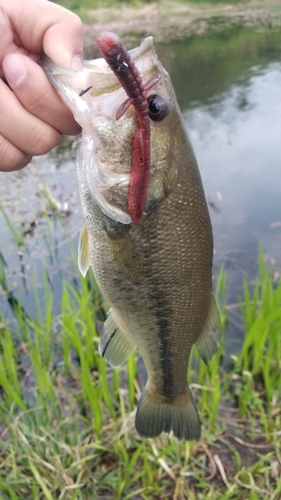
x,y
169,20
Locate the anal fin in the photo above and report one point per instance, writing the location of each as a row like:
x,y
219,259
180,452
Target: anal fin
x,y
209,340
115,347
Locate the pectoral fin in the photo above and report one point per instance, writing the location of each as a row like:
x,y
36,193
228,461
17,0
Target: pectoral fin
x,y
114,346
83,252
209,340
125,255
158,189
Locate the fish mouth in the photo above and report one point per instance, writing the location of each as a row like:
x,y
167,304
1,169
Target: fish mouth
x,y
92,94
124,68
96,75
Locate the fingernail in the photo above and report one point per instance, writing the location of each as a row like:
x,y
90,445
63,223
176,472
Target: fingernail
x,y
14,69
76,63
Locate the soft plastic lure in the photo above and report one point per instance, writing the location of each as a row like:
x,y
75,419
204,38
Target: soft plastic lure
x,y
120,62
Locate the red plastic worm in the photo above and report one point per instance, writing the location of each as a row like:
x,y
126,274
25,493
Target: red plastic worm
x,y
120,62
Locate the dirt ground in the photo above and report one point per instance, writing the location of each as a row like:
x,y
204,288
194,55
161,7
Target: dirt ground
x,y
170,20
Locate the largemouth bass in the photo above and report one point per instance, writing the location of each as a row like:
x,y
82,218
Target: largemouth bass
x,y
147,234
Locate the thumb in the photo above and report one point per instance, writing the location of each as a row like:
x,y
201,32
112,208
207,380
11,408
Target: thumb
x,y
44,26
63,43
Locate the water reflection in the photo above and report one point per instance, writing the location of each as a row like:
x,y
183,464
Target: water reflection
x,y
238,147
229,88
204,68
239,153
46,232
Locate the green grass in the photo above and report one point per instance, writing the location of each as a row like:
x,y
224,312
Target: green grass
x,y
67,421
216,1
80,7
17,233
83,7
91,4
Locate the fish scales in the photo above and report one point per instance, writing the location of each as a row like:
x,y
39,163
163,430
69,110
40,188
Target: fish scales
x,y
156,274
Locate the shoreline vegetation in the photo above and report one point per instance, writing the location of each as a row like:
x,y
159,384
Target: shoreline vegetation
x,y
67,420
168,20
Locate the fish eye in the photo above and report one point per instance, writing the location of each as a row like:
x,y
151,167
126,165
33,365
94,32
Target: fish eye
x,y
158,107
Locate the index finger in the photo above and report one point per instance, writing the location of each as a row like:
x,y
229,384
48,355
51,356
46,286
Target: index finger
x,y
43,26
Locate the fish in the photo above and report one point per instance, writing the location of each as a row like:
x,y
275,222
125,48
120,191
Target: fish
x,y
147,232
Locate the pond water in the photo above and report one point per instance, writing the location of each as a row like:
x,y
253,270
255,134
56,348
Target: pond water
x,y
229,89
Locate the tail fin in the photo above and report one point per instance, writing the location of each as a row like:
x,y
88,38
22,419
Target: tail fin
x,y
154,417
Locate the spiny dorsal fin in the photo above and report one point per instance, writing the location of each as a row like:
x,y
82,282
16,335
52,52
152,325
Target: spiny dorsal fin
x,y
83,252
114,346
209,340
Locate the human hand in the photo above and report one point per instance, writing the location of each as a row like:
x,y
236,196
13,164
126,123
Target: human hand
x,y
32,116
